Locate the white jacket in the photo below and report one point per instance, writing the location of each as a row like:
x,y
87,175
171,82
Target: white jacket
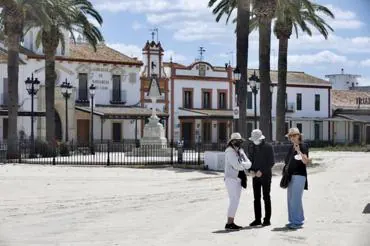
x,y
234,164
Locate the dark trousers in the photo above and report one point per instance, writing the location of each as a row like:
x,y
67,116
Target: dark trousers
x,y
263,183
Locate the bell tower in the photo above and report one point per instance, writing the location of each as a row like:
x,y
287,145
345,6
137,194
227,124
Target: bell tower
x,y
152,59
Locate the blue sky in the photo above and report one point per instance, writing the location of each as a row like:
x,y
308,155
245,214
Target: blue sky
x,y
185,25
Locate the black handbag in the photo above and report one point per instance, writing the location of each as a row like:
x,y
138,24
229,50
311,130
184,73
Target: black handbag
x,y
243,178
286,177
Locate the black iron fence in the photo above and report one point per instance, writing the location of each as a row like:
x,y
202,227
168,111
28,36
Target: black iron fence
x,y
126,153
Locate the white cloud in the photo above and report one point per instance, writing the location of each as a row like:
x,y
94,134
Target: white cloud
x,y
344,19
136,51
321,57
137,26
366,63
364,81
168,54
94,22
127,49
136,6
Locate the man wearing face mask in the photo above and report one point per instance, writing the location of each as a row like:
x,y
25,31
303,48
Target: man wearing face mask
x,y
261,155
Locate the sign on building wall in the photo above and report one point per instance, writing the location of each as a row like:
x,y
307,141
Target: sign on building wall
x,y
363,100
236,113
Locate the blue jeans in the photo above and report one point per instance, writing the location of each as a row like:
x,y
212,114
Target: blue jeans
x,y
295,193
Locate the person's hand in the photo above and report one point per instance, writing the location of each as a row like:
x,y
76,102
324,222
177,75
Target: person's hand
x,y
259,174
296,148
252,173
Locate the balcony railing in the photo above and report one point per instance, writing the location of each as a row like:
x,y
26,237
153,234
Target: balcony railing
x,y
118,96
4,100
82,96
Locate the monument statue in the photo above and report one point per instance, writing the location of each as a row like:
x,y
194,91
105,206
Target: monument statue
x,y
154,132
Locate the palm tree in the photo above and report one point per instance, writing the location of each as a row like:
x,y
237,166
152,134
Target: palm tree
x,y
14,14
264,11
289,13
70,15
295,13
242,44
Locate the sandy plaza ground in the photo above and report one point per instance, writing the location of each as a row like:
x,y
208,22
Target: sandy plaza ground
x,y
59,205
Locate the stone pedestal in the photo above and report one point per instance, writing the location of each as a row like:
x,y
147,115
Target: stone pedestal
x,y
154,134
154,141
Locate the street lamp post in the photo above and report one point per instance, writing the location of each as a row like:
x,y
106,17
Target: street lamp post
x,y
254,83
66,92
237,75
32,86
92,94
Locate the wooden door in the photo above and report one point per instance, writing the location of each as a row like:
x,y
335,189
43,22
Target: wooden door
x,y
117,132
187,134
83,131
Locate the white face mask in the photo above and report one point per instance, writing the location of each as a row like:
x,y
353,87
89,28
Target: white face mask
x,y
257,142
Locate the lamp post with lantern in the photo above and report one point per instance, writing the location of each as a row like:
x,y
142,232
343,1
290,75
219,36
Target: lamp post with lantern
x,y
254,84
32,86
237,75
66,92
92,94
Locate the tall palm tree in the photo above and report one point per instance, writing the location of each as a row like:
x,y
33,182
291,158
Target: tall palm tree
x,y
300,13
264,11
242,45
70,15
13,16
290,14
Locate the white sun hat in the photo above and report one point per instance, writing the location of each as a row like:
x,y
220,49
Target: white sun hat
x,y
256,135
236,136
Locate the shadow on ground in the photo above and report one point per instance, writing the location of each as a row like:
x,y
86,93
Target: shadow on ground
x,y
283,229
230,231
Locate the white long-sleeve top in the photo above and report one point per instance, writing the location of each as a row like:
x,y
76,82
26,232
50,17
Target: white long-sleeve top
x,y
235,163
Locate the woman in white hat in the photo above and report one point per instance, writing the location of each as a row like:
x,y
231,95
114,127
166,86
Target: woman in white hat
x,y
295,163
235,161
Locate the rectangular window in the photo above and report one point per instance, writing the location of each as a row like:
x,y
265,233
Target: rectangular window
x,y
82,87
299,126
317,102
222,132
202,70
207,132
4,99
188,99
207,100
286,101
116,92
249,128
5,128
299,101
249,100
132,78
222,103
286,127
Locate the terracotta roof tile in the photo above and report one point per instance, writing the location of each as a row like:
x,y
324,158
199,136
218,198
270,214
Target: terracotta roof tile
x,y
103,53
85,52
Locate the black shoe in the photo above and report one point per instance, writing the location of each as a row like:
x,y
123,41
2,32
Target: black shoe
x,y
232,227
266,223
255,223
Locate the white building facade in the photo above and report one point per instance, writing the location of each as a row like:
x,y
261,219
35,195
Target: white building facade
x,y
118,114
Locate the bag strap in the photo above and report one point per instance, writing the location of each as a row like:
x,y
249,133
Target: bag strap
x,y
290,159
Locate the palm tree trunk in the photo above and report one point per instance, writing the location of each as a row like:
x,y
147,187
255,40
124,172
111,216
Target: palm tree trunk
x,y
281,91
242,44
50,78
13,69
264,68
